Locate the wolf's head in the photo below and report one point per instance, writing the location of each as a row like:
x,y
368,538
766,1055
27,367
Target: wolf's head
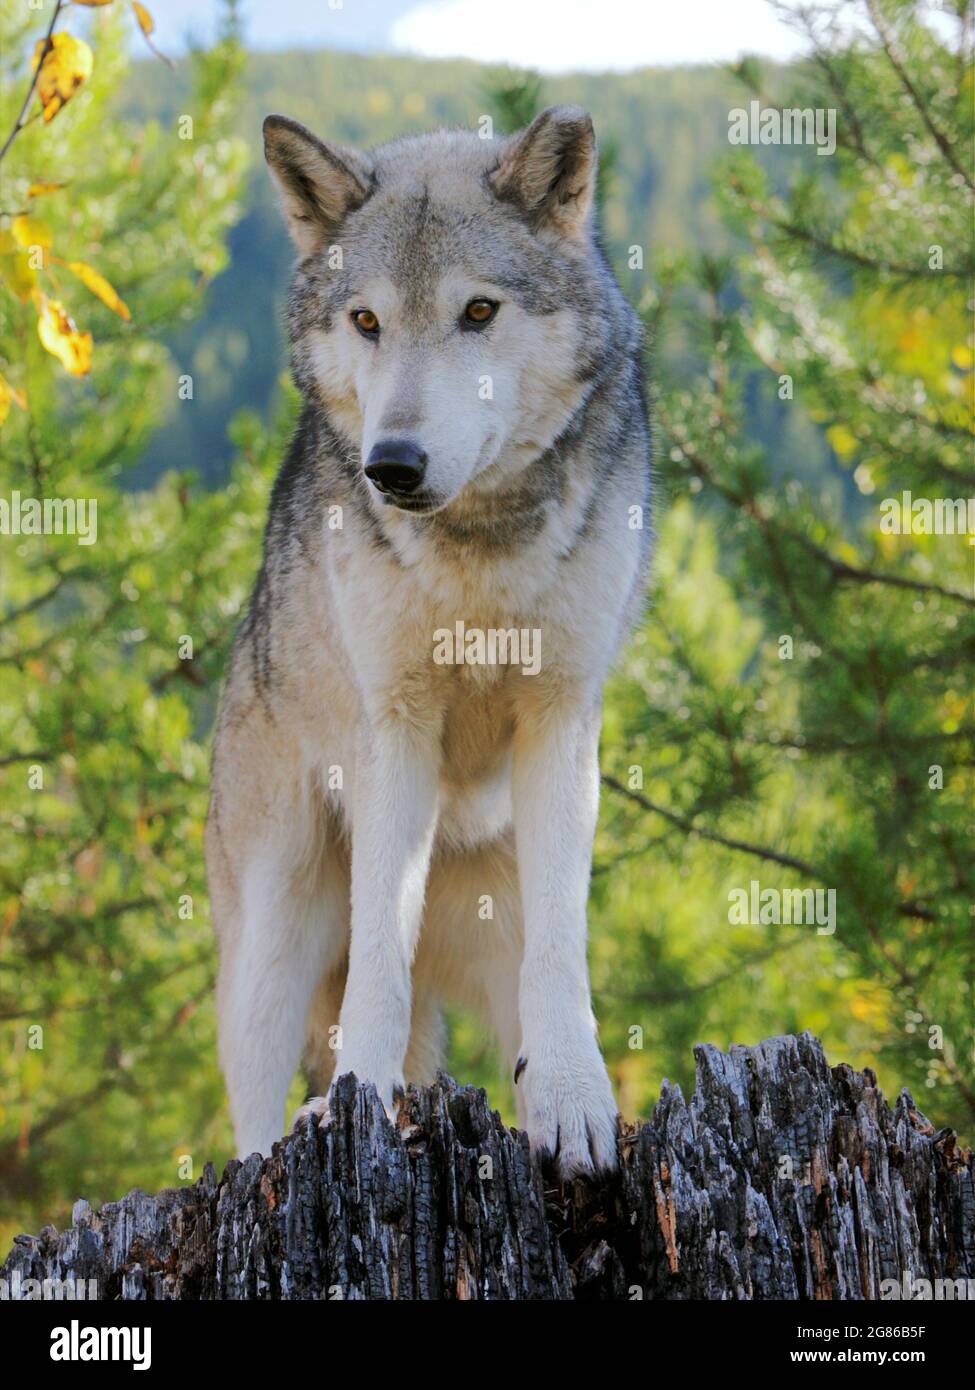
x,y
448,308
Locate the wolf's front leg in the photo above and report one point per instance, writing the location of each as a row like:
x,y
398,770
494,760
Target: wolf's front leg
x,y
394,817
568,1100
291,927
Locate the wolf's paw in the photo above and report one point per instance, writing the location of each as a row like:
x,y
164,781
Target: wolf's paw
x,y
316,1106
390,1088
569,1108
320,1106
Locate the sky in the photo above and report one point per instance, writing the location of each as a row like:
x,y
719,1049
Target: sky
x,y
551,35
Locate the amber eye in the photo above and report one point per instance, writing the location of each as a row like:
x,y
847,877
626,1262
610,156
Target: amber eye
x,y
480,311
366,322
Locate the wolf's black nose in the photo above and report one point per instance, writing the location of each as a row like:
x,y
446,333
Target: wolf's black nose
x,y
396,466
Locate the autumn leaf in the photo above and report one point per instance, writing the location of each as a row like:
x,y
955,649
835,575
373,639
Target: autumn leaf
x,y
31,231
37,190
59,334
147,24
146,21
15,268
99,286
67,63
8,394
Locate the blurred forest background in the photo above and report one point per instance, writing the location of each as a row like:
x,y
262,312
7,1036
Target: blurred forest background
x,y
796,708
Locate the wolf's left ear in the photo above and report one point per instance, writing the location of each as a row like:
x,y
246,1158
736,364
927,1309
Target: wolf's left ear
x,y
549,171
319,184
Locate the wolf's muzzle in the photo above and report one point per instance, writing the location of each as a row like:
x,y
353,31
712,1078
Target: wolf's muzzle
x,y
396,467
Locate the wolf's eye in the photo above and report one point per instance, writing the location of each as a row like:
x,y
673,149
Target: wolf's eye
x,y
366,322
479,312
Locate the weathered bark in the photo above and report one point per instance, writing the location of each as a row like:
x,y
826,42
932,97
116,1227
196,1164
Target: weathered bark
x,y
780,1179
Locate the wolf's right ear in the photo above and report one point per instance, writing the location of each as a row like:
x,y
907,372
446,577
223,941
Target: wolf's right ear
x,y
319,184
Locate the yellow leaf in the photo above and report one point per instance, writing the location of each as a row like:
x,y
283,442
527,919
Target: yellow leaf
x,y
36,190
67,63
963,358
19,277
97,283
59,334
8,394
15,267
843,440
146,23
31,231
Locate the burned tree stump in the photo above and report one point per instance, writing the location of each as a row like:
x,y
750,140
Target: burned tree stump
x,y
781,1179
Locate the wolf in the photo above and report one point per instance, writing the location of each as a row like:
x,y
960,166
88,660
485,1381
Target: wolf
x,y
389,830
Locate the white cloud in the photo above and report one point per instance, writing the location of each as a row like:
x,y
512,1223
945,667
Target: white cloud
x,y
594,35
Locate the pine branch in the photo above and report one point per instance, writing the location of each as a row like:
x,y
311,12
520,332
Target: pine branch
x,y
898,62
839,569
906,909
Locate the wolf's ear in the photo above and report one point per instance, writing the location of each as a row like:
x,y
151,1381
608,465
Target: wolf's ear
x,y
319,184
549,170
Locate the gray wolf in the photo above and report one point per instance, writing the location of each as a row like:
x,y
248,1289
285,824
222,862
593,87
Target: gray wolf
x,y
390,830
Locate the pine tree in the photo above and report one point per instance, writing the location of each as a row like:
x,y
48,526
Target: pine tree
x,y
111,638
797,710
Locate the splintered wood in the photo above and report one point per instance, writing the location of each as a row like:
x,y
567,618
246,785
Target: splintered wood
x,y
780,1179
